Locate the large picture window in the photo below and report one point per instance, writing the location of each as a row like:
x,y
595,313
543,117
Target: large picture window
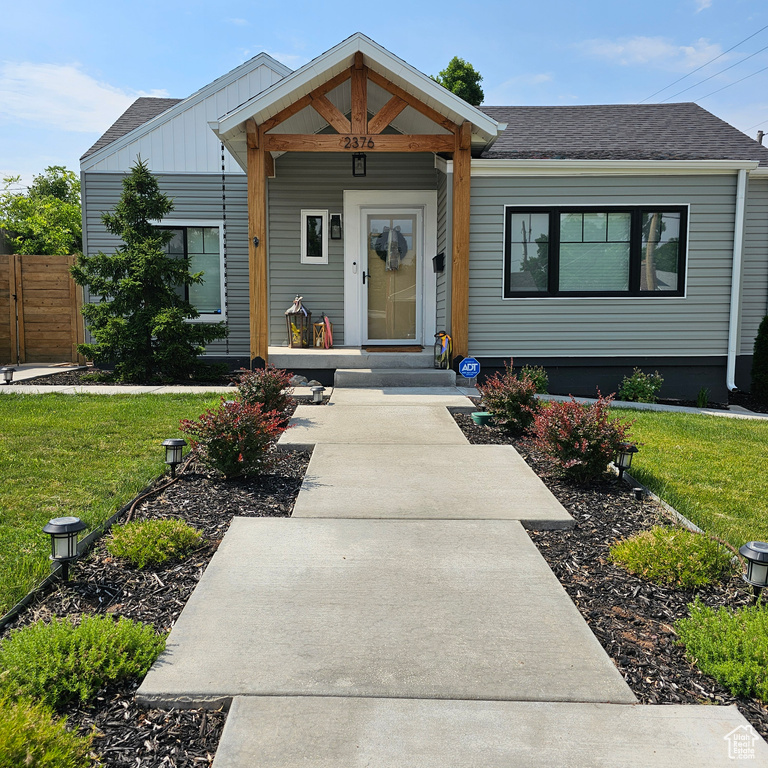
x,y
201,246
569,251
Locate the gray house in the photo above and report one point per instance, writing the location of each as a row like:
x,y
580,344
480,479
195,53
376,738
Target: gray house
x,y
586,239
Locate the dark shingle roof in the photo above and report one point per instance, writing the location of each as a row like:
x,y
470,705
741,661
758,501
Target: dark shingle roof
x,y
141,111
682,131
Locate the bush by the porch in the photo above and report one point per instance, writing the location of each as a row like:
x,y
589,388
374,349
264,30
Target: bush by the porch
x,y
511,398
270,387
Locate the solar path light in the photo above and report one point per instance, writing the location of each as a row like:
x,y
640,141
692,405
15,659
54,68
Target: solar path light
x,y
174,447
317,395
623,460
756,555
63,532
8,372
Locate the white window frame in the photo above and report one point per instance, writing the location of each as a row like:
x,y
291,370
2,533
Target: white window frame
x,y
206,317
305,258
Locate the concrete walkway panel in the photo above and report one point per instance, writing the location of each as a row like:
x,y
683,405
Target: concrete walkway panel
x,y
372,425
475,482
392,733
442,609
448,397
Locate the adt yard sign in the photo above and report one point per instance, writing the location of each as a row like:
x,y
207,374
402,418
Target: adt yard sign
x,y
469,368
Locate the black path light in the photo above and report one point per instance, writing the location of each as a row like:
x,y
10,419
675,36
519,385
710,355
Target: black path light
x,y
623,460
756,555
8,374
63,532
174,448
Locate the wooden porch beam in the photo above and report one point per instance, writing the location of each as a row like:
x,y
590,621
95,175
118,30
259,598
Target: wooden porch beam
x,y
386,115
330,113
257,255
462,160
412,101
319,142
359,96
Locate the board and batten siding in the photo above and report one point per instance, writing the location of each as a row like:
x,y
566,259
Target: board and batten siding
x,y
184,142
196,197
694,325
318,181
754,292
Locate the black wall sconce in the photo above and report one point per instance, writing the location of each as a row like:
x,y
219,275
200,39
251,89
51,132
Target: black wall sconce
x,y
359,164
438,263
335,226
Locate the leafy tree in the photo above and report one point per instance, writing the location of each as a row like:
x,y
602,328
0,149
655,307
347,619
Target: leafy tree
x,y
140,322
461,78
45,219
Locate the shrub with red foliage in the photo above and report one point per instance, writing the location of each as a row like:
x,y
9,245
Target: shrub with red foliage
x,y
581,438
269,386
237,438
511,398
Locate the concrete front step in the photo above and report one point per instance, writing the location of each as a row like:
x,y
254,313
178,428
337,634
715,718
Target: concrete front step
x,y
352,357
310,732
394,377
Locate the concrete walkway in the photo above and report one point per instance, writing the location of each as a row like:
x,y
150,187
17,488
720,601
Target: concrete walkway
x,y
402,616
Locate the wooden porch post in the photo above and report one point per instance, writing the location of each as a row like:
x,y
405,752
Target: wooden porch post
x,y
462,159
257,255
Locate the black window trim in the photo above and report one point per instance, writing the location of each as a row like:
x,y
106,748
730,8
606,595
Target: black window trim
x,y
635,256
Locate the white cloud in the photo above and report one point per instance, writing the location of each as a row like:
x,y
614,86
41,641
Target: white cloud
x,y
656,51
62,97
702,4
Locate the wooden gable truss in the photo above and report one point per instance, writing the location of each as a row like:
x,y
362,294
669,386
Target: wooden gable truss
x,y
355,134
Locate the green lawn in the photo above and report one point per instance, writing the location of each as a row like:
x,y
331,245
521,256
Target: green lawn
x,y
83,455
710,468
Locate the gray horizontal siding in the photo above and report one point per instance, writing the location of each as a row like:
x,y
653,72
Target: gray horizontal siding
x,y
696,324
442,247
754,294
318,181
195,196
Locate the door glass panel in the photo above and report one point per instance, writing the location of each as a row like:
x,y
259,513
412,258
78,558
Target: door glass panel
x,y
392,276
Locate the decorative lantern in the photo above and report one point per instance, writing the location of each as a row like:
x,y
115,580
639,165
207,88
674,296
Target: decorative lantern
x,y
623,460
63,532
317,395
443,348
8,374
359,161
756,555
174,448
299,323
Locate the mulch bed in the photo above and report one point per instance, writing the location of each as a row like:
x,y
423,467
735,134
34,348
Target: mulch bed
x,y
84,377
128,734
632,618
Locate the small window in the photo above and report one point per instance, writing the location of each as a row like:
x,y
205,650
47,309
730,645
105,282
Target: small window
x,y
201,246
314,237
564,251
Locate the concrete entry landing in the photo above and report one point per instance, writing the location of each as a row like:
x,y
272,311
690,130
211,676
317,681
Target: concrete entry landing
x,y
392,733
438,609
475,482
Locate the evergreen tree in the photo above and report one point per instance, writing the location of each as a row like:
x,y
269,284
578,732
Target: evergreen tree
x,y
760,362
140,323
461,78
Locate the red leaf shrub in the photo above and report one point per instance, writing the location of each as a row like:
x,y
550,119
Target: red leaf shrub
x,y
511,398
581,438
237,438
269,386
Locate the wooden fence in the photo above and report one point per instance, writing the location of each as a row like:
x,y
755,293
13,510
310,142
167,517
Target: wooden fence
x,y
40,320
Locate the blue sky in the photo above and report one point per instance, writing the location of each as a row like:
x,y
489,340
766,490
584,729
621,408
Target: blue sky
x,y
69,69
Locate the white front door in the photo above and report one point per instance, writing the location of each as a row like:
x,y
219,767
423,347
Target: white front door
x,y
390,238
392,254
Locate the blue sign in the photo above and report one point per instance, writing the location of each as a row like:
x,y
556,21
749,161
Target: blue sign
x,y
469,368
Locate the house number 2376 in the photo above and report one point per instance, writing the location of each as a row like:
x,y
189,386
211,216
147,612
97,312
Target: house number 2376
x,y
361,142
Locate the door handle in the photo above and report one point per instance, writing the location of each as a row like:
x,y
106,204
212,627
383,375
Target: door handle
x,y
365,275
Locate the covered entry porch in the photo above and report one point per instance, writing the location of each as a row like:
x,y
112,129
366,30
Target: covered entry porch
x,y
375,279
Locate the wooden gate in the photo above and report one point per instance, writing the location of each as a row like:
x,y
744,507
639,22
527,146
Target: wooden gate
x,y
40,320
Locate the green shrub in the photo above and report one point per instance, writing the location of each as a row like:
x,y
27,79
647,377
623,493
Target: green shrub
x,y
702,398
31,737
581,438
760,362
731,646
270,387
538,375
673,556
641,387
510,398
60,661
235,439
152,542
